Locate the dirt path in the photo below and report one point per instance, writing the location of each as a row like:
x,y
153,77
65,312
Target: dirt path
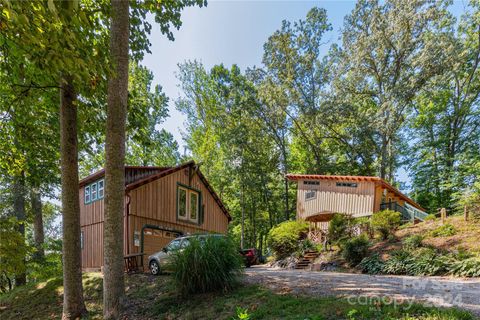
x,y
361,288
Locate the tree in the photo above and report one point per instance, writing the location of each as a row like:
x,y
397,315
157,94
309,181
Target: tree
x,y
113,281
445,122
389,52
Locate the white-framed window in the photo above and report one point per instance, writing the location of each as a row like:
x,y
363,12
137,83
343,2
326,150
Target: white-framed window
x,y
310,194
347,184
100,189
188,204
93,190
87,194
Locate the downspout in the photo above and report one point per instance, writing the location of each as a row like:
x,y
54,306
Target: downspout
x,y
128,222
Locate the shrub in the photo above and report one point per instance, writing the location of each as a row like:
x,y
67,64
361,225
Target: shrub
x,y
284,238
210,265
386,222
466,268
445,230
364,224
340,228
355,249
306,245
426,262
430,217
397,263
412,242
372,264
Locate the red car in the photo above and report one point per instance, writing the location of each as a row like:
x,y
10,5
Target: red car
x,y
250,256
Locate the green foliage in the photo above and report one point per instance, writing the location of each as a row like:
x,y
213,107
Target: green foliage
x,y
50,266
430,217
465,268
206,266
372,264
426,262
306,245
355,249
412,242
284,239
398,262
340,228
386,222
13,249
445,230
242,314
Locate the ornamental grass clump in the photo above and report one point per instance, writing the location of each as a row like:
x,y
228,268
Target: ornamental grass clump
x,y
207,265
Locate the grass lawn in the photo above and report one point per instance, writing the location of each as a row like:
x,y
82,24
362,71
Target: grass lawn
x,y
151,297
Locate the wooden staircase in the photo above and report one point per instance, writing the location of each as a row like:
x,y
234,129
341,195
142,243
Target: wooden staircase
x,y
307,259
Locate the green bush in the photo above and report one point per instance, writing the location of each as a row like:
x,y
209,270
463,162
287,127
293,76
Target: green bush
x,y
426,262
340,228
412,242
211,265
306,245
445,230
372,264
430,217
355,249
284,239
364,224
465,268
398,262
386,222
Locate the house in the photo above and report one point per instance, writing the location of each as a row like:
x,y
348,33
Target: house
x,y
319,197
161,203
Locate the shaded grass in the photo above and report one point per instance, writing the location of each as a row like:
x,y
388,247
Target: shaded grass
x,y
151,297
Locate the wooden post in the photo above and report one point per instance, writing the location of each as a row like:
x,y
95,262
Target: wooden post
x,y
443,214
465,213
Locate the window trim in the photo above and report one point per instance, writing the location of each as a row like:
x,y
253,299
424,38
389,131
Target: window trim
x,y
87,194
187,219
181,217
93,186
314,194
98,189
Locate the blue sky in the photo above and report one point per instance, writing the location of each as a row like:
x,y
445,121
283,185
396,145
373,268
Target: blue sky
x,y
232,32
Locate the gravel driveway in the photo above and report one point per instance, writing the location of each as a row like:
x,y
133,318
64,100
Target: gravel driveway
x,y
437,291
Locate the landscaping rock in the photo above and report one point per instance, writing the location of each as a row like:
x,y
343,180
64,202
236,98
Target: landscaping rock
x,y
287,263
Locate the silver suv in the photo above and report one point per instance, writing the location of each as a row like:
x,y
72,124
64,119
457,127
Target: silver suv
x,y
158,261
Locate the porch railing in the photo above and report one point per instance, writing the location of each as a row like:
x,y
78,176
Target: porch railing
x,y
408,211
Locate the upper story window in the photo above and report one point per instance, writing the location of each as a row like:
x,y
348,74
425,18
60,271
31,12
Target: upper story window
x,y
94,191
347,184
310,182
310,194
188,204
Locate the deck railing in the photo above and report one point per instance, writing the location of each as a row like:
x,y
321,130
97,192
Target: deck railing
x,y
408,211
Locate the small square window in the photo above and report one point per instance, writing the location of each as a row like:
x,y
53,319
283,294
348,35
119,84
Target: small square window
x,y
100,187
310,194
87,194
93,190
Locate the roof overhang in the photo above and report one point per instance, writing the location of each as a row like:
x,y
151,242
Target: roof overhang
x,y
377,180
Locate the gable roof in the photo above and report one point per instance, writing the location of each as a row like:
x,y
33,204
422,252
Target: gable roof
x,y
100,173
377,180
161,172
169,171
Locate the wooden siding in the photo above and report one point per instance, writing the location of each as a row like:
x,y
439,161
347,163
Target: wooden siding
x,y
153,203
358,201
157,200
92,212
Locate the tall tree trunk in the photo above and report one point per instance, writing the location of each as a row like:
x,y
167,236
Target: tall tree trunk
x,y
73,304
19,208
38,232
242,204
113,281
